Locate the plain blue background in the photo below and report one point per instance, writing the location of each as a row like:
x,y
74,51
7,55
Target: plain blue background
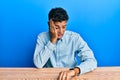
x,y
97,21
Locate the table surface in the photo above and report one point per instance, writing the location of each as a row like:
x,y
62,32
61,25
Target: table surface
x,y
101,73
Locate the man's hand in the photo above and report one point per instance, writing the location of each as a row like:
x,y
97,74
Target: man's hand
x,y
66,75
53,32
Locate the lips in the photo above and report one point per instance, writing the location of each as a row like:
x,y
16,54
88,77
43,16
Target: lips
x,y
60,35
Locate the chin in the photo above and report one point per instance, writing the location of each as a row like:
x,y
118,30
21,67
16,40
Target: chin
x,y
59,37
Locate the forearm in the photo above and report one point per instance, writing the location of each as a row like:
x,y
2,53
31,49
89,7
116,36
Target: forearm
x,y
87,66
41,56
88,61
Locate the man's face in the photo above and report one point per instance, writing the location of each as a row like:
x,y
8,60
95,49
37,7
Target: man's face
x,y
60,28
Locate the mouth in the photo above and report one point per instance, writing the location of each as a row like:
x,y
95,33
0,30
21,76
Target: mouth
x,y
60,35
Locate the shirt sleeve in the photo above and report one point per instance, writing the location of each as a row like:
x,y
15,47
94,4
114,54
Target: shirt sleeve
x,y
42,52
88,61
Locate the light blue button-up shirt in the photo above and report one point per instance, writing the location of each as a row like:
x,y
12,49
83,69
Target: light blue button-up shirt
x,y
62,54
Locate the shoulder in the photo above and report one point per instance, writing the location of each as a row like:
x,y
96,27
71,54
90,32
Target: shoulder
x,y
72,34
72,37
43,35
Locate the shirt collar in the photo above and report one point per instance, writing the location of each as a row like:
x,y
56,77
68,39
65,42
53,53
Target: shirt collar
x,y
62,39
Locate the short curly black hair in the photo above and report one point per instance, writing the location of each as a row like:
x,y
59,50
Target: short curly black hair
x,y
58,14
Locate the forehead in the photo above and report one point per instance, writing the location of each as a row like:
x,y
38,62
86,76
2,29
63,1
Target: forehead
x,y
61,23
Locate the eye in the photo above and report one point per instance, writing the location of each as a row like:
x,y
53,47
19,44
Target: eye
x,y
56,27
64,27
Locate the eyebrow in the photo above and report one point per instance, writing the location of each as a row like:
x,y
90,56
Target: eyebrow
x,y
58,25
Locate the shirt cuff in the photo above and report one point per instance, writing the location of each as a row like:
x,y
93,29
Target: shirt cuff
x,y
82,71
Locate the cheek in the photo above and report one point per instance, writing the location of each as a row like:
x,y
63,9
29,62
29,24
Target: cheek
x,y
57,30
60,31
64,30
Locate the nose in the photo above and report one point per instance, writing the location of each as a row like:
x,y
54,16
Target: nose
x,y
61,31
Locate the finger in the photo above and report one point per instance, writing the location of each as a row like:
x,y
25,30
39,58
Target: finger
x,y
52,26
51,29
67,77
64,76
51,23
60,76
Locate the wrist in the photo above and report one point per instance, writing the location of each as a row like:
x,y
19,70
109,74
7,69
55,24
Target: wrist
x,y
53,41
76,71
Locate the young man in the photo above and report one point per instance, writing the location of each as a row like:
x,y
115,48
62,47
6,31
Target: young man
x,y
58,47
